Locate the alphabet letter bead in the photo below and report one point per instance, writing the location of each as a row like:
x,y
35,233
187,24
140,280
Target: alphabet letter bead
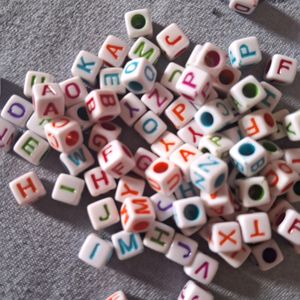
x,y
279,118
208,173
163,176
116,159
95,252
36,124
245,7
203,268
99,182
48,100
186,190
172,41
191,133
191,291
218,199
273,151
189,212
68,189
292,125
248,156
138,76
110,79
102,105
292,157
34,77
163,206
78,113
86,66
159,237
182,250
64,134
150,127
143,159
119,295
289,228
273,97
31,147
127,244
103,213
255,227
138,23
278,213
27,188
281,69
17,111
171,75
7,135
237,258
137,214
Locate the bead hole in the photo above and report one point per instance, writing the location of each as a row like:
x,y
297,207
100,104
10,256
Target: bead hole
x,y
207,119
212,59
161,167
226,77
256,192
250,90
246,149
138,21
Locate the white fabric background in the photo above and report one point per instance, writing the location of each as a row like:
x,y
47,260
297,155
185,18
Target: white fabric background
x,y
39,244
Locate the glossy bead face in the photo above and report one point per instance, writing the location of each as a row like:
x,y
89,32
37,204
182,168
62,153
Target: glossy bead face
x,y
191,291
7,135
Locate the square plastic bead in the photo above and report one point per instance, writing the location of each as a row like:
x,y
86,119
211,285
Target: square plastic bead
x,y
110,79
143,159
129,187
99,182
150,127
191,291
277,213
292,157
182,250
255,227
86,66
68,189
218,198
77,161
159,237
279,118
191,133
31,147
172,41
171,75
273,96
17,111
127,244
163,206
203,268
236,259
103,213
292,125
208,173
36,125
273,151
245,7
95,252
138,23
289,228
27,188
78,113
186,190
119,295
34,77
142,47
7,135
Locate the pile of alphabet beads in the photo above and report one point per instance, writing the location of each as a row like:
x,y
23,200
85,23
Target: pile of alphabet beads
x,y
212,161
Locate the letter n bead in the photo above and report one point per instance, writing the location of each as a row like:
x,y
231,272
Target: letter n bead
x,y
27,188
137,214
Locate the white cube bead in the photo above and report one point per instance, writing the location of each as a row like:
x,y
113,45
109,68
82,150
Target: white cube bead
x,y
248,156
273,151
255,227
78,113
171,75
48,100
193,56
247,93
139,76
95,252
127,244
208,173
113,51
218,198
180,112
186,189
182,250
86,66
34,77
279,118
244,52
150,127
172,41
203,268
129,187
292,125
293,194
116,159
189,212
27,188
77,161
31,147
103,213
268,255
138,23
7,135
102,105
137,214
74,91
213,116
289,228
292,157
245,7
98,181
191,292
273,96
163,176
159,237
163,206
191,133
142,47
158,98
278,213
110,79
119,295
237,258
68,189
17,111
36,124
143,159
103,133
281,69
64,134
223,210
